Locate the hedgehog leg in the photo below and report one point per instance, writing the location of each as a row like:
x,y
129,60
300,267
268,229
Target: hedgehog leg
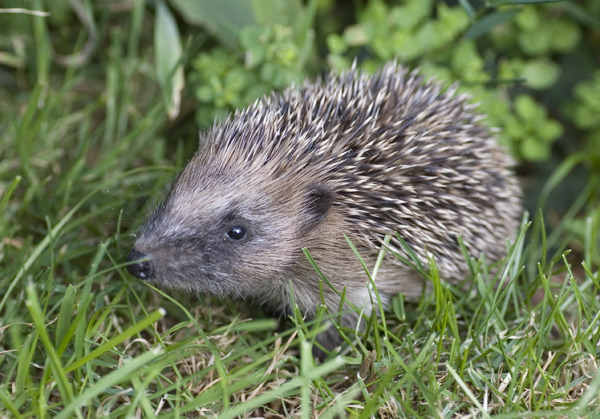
x,y
330,339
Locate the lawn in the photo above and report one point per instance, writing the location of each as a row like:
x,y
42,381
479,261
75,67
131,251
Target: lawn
x,y
100,107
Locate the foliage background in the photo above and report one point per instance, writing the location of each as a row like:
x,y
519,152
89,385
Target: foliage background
x,y
100,104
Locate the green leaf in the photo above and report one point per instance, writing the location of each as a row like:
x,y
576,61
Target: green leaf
x,y
528,19
468,8
549,130
222,18
168,53
485,24
270,12
570,34
534,150
526,107
541,73
504,2
467,62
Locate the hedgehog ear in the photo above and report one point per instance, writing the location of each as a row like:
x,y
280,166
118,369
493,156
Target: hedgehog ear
x,y
319,200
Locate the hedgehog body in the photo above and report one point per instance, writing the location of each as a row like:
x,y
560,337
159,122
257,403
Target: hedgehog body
x,y
356,155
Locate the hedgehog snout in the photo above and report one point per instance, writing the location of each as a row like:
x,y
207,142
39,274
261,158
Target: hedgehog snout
x,y
143,267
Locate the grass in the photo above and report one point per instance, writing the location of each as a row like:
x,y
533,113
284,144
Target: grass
x,y
82,151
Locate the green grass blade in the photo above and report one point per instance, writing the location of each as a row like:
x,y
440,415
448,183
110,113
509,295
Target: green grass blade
x,y
8,404
37,316
286,388
124,373
63,322
121,337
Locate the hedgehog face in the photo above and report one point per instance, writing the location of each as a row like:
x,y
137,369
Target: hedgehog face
x,y
226,244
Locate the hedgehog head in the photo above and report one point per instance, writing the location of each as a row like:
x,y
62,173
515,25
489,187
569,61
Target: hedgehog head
x,y
238,215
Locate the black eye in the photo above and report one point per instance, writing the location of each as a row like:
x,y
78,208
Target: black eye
x,y
237,233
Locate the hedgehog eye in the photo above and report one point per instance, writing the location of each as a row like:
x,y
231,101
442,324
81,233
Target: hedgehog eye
x,y
237,233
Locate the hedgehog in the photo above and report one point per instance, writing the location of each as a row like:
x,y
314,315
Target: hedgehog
x,y
351,156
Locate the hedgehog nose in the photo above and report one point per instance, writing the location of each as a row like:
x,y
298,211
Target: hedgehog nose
x,y
142,269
